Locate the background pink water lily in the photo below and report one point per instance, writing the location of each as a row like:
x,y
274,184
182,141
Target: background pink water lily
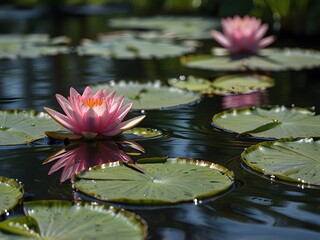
x,y
94,114
241,35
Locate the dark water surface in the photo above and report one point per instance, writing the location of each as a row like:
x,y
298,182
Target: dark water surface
x,y
257,208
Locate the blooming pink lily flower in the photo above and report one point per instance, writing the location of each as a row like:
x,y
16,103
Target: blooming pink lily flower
x,y
94,114
242,35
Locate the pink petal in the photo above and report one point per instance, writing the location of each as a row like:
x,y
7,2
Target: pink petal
x,y
266,41
91,121
62,119
124,126
261,31
87,93
220,38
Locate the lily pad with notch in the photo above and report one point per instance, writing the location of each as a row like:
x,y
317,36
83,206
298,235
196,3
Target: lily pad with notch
x,y
272,59
152,95
294,161
270,122
164,181
59,219
24,127
11,193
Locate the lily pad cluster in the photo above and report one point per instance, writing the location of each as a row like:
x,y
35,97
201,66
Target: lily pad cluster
x,y
128,46
226,85
32,45
175,27
292,156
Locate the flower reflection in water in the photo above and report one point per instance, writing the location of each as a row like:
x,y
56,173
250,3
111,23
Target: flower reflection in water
x,y
245,100
79,156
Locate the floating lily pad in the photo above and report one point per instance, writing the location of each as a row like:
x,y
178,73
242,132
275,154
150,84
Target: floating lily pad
x,y
130,47
57,219
272,122
32,45
192,83
11,192
150,95
170,181
23,127
293,161
268,59
142,133
178,27
231,84
241,83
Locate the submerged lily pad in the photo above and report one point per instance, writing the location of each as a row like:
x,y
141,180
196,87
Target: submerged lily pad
x,y
57,219
293,161
130,47
230,84
32,45
150,95
170,181
11,192
178,27
268,59
23,127
272,122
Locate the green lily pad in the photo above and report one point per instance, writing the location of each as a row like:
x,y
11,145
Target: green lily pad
x,y
192,83
23,127
294,161
230,84
58,219
11,192
272,122
268,59
142,133
241,84
130,47
152,95
170,181
32,45
178,27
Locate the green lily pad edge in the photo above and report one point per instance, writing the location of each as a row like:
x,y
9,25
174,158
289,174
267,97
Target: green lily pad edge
x,y
165,181
288,161
11,194
61,219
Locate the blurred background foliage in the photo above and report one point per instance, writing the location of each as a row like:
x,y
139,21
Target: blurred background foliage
x,y
296,17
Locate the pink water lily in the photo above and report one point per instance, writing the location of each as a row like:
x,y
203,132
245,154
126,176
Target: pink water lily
x,y
92,114
242,35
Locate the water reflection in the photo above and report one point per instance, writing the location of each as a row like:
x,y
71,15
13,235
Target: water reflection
x,y
245,100
80,156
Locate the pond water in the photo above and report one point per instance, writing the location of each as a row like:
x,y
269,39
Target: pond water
x,y
256,208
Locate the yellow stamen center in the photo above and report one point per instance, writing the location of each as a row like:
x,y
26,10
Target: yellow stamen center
x,y
91,102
